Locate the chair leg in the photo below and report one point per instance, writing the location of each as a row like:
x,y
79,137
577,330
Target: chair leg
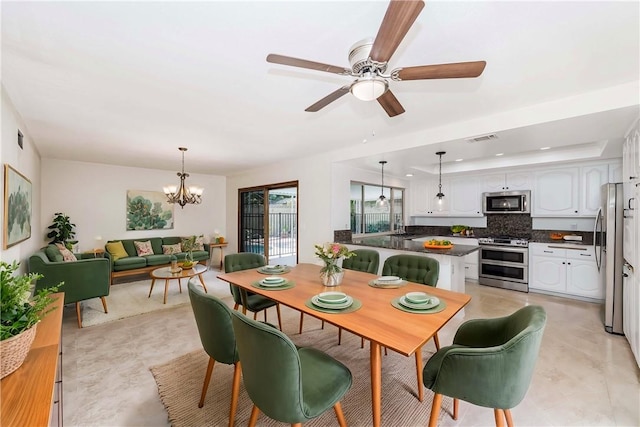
x,y
254,416
79,314
235,391
301,321
279,316
255,315
104,304
235,306
456,403
437,341
207,378
296,425
498,414
507,416
435,410
419,374
361,342
322,326
339,336
339,415
265,316
180,285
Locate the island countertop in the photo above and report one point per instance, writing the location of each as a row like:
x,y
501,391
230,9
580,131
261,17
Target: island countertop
x,y
403,244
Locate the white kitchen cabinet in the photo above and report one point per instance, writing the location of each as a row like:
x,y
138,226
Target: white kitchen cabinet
x,y
419,202
631,309
423,193
631,156
471,261
506,182
556,192
591,180
565,270
615,171
465,197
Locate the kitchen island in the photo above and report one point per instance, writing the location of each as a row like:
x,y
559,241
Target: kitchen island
x,y
451,260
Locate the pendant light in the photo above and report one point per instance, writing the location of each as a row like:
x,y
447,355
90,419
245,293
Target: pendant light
x,y
382,201
439,199
182,194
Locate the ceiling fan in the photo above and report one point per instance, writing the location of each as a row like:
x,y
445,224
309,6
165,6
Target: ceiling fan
x,y
369,58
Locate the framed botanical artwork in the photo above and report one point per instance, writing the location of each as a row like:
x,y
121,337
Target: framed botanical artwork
x,y
17,207
148,210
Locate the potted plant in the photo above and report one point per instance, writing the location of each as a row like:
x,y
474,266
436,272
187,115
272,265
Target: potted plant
x,y
62,231
19,315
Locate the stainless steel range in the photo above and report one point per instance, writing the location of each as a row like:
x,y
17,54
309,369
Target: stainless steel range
x,y
504,262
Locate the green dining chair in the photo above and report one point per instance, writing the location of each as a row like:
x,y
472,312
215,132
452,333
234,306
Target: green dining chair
x,y
366,260
490,363
417,269
288,384
249,300
213,319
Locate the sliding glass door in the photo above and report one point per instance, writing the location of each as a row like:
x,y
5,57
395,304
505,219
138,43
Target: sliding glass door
x,y
268,222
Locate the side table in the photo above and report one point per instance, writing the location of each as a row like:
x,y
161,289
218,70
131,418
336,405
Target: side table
x,y
220,246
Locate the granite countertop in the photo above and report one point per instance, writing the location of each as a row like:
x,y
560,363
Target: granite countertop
x,y
404,243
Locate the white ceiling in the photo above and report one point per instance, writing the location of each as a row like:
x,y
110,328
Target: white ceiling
x,y
127,83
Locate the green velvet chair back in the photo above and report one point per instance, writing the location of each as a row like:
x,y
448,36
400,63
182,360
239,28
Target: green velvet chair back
x,y
366,260
238,262
213,319
414,268
491,361
287,384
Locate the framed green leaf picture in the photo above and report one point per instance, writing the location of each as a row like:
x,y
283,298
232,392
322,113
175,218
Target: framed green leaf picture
x,y
17,207
148,210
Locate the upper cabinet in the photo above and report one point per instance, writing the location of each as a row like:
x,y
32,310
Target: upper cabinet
x,y
591,179
466,197
555,193
423,193
506,182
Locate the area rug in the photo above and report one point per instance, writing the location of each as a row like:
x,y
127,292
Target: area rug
x,y
132,298
180,384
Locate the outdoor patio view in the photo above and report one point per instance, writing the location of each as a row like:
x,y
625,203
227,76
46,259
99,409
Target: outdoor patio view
x,y
366,217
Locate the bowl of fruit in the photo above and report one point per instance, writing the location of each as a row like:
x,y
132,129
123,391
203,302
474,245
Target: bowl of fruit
x,y
438,244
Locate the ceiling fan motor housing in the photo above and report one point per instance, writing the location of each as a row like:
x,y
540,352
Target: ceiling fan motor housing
x,y
359,58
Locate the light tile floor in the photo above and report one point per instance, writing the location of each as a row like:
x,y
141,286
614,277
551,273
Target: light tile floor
x,y
583,376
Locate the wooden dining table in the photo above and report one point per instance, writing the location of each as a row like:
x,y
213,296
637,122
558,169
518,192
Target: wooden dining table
x,y
376,321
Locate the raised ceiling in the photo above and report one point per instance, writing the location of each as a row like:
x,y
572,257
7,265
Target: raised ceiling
x,y
127,83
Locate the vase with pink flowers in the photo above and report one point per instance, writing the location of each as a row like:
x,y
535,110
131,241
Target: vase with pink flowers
x,y
331,254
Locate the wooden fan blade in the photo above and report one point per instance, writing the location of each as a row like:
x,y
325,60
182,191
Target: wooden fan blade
x,y
328,99
390,103
399,18
442,71
303,63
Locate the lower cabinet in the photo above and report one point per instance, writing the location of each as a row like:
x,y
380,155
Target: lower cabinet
x,y
565,270
631,310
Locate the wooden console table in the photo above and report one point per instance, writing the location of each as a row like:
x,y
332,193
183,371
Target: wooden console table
x,y
32,395
220,246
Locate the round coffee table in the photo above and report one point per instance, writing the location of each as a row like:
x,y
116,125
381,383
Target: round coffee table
x,y
166,274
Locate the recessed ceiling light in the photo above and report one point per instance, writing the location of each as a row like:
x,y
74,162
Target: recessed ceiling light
x,y
409,174
545,148
459,160
499,154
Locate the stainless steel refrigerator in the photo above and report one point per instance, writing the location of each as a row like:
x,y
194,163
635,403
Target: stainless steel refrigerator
x,y
608,235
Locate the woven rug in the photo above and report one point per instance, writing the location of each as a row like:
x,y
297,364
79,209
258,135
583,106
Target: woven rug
x,y
132,298
180,384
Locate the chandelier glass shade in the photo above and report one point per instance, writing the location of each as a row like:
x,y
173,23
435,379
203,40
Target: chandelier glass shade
x,y
439,199
181,194
368,87
382,201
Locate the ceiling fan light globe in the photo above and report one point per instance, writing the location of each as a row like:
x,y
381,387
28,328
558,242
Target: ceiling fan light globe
x,y
369,88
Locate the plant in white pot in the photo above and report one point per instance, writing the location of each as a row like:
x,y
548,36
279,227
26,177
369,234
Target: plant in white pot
x,y
19,315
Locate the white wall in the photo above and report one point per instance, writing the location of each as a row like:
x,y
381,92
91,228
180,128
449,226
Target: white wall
x,y
27,162
94,196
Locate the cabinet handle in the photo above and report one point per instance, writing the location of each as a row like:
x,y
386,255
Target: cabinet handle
x,y
576,211
625,275
548,252
568,263
632,178
585,254
629,204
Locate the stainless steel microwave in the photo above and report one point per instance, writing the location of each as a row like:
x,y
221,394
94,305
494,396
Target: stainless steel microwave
x,y
506,202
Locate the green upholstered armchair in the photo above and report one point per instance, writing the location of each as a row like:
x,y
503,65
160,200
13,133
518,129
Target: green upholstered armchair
x,y
490,363
83,279
213,319
249,300
417,269
287,384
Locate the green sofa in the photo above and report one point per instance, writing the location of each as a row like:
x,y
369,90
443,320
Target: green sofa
x,y
86,278
134,264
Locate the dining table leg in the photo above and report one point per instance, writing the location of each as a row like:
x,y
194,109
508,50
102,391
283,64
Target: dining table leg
x,y
376,382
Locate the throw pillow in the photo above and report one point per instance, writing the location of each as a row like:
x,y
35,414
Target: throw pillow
x,y
116,249
193,243
143,248
67,255
53,253
171,249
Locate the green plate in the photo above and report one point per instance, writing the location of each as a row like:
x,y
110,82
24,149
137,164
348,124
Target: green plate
x,y
353,307
285,285
437,309
285,270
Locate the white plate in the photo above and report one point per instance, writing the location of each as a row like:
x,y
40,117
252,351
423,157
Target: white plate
x,y
385,279
434,302
273,279
272,284
417,297
387,282
332,297
332,306
273,267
